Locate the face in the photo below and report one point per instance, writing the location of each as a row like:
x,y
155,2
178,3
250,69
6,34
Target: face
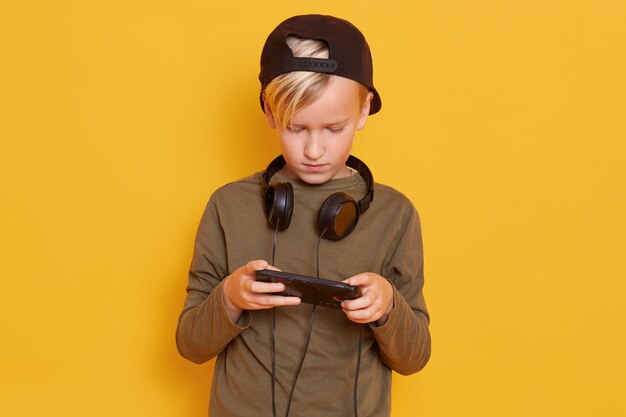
x,y
319,140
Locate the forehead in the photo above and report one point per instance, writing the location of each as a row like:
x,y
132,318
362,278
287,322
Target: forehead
x,y
339,101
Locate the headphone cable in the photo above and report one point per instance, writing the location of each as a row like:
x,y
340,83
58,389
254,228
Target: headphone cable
x,y
308,339
306,347
274,331
356,373
309,329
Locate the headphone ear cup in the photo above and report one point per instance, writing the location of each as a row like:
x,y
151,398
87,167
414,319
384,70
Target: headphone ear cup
x,y
338,216
279,204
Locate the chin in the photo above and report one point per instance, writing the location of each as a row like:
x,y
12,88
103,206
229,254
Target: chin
x,y
313,179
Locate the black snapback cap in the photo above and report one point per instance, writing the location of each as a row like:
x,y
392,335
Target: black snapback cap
x,y
349,54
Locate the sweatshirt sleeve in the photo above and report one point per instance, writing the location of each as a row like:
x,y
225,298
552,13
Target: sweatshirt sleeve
x,y
404,340
204,328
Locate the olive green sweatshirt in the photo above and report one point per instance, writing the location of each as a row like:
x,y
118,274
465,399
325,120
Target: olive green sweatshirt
x,y
234,231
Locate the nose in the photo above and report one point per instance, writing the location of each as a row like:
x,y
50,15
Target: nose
x,y
314,146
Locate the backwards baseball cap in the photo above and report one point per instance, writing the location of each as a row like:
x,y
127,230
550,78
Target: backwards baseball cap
x,y
349,54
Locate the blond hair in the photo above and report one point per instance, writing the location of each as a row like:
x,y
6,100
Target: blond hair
x,y
290,92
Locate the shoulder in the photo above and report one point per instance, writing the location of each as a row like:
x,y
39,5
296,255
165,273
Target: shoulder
x,y
390,202
237,197
240,188
389,195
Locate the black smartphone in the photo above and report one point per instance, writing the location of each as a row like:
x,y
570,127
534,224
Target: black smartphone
x,y
311,290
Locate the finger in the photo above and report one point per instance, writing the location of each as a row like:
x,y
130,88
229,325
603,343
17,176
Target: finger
x,y
358,280
263,302
357,304
363,309
367,315
266,287
253,266
359,316
280,300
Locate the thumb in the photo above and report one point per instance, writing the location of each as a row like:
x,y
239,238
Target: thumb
x,y
253,266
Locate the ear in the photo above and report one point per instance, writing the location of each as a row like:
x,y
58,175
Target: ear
x,y
268,113
365,111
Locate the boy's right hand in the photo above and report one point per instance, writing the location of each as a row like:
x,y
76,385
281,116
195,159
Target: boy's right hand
x,y
243,292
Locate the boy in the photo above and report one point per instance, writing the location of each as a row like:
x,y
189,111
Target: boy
x,y
316,91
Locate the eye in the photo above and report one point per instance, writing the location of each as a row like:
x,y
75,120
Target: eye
x,y
294,129
335,129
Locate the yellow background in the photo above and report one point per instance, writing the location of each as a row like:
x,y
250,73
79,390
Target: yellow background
x,y
503,121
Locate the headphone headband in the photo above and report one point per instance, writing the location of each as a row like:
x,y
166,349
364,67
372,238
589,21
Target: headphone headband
x,y
353,162
338,215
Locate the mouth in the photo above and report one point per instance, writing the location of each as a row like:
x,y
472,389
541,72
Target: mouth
x,y
314,167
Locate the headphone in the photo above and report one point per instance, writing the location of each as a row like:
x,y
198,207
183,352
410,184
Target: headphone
x,y
338,215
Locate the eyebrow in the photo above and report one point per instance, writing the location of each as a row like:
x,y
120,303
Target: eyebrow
x,y
336,123
339,122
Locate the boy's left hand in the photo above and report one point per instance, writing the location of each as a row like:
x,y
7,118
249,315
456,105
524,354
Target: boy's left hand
x,y
376,299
